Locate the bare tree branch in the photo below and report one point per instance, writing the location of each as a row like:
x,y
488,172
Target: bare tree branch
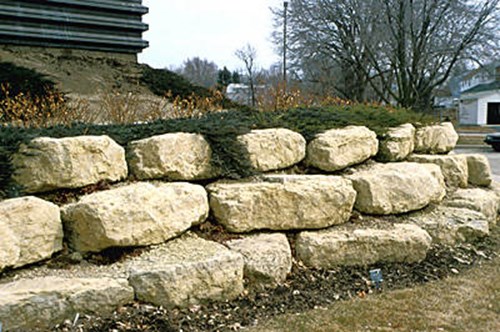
x,y
392,50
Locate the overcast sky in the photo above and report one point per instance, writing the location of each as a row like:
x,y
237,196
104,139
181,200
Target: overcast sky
x,y
209,29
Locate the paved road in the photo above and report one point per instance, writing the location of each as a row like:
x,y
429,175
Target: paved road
x,y
493,157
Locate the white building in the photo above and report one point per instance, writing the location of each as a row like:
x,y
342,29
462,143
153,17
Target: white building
x,y
241,93
480,96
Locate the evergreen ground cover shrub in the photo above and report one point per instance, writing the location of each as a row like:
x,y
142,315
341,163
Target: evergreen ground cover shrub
x,y
220,129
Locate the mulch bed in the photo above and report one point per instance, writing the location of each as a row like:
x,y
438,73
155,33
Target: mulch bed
x,y
305,289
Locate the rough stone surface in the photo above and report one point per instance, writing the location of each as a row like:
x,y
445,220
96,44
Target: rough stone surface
x,y
9,247
397,144
495,187
359,245
271,149
436,139
480,200
40,303
32,228
479,170
135,215
395,188
453,167
176,156
451,225
268,257
339,148
188,270
282,202
51,163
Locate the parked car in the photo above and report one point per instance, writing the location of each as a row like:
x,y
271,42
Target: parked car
x,y
493,140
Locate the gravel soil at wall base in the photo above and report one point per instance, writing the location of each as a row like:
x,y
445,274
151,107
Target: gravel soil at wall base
x,y
305,289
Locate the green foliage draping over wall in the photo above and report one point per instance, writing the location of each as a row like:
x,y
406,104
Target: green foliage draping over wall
x,y
220,129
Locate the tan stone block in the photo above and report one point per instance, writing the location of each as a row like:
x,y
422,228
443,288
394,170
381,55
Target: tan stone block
x,y
52,163
186,271
397,144
176,156
282,202
271,149
40,303
135,215
339,148
436,139
396,188
34,228
268,257
359,245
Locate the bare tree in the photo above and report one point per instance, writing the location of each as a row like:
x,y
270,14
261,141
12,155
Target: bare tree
x,y
248,54
401,50
200,72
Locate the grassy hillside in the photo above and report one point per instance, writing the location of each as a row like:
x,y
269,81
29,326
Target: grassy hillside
x,y
16,80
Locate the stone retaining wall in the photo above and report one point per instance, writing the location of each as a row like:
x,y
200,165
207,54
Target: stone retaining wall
x,y
445,198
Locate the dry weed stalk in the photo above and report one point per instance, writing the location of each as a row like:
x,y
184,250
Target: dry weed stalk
x,y
26,110
109,108
195,106
279,97
119,108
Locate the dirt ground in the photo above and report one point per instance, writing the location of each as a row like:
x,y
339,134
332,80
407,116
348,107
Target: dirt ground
x,y
461,303
450,288
78,71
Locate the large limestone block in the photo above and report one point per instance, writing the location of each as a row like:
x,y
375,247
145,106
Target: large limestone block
x,y
135,215
186,271
339,148
451,225
282,202
52,163
436,139
32,228
395,188
453,167
9,247
479,170
39,304
176,156
361,245
268,257
397,144
271,149
480,200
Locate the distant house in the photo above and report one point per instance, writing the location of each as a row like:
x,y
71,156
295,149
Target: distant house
x,y
241,93
480,96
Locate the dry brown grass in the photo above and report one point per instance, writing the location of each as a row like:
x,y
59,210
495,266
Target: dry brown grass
x,y
471,140
110,108
465,303
475,129
120,108
281,97
26,110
